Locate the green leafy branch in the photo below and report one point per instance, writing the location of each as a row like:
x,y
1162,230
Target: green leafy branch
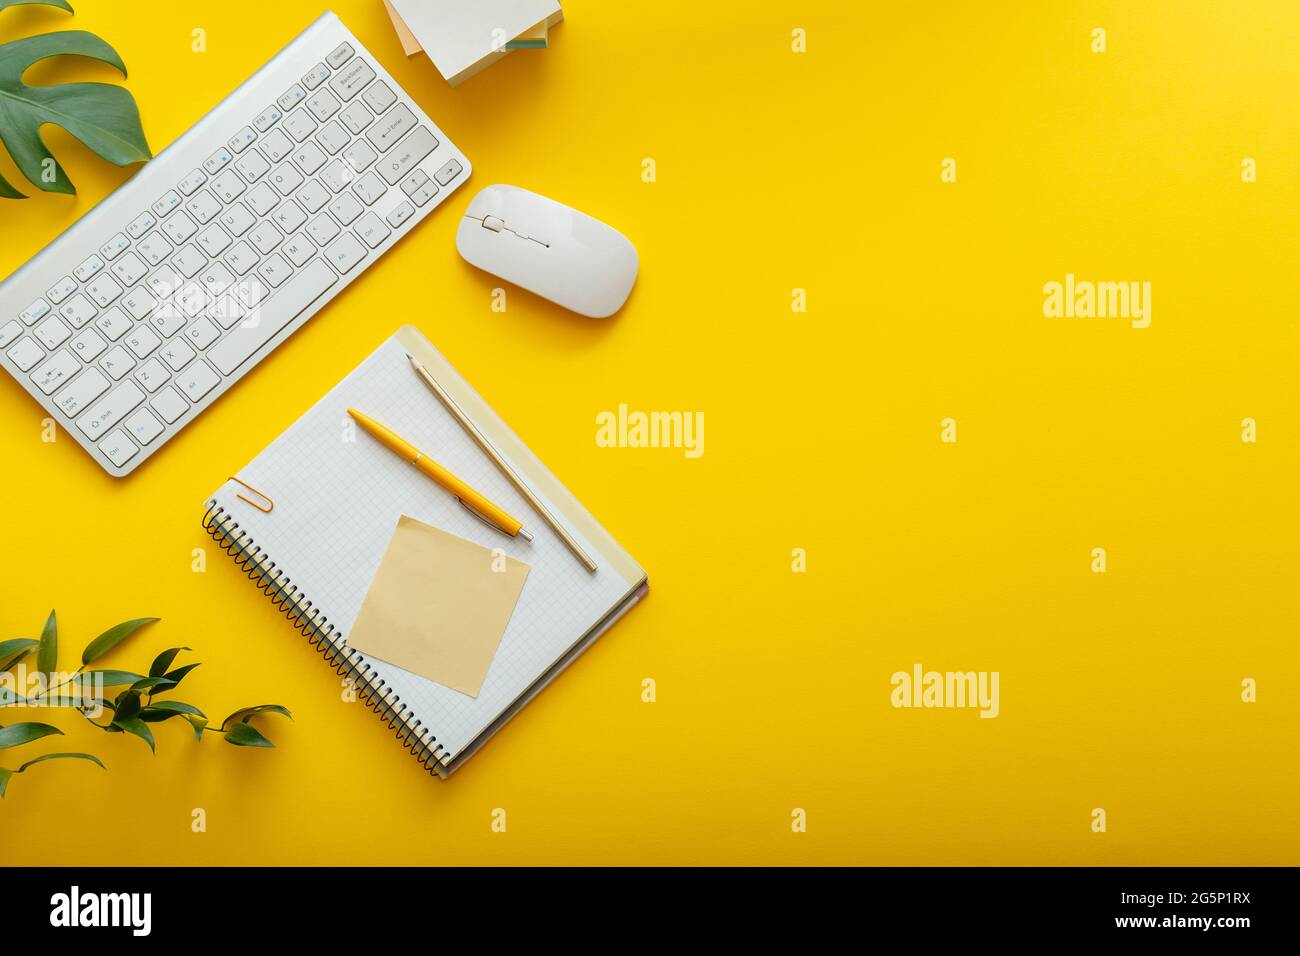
x,y
104,117
133,709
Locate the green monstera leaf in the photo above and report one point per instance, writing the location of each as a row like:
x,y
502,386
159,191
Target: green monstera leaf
x,y
104,117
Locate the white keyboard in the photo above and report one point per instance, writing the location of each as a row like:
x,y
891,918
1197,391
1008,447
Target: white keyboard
x,y
146,309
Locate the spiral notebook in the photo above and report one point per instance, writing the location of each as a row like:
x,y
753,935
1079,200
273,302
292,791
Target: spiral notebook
x,y
333,511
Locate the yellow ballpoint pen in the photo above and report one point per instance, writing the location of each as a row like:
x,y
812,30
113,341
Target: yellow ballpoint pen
x,y
470,498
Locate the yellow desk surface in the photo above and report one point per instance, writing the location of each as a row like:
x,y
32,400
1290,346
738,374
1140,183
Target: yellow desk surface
x,y
776,170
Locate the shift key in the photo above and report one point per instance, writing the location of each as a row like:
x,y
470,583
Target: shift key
x,y
406,154
110,410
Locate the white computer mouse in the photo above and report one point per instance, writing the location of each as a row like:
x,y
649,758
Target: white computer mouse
x,y
546,247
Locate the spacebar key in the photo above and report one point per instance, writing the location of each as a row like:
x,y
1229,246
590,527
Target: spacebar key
x,y
271,316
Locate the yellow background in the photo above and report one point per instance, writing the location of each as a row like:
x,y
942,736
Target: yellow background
x,y
776,170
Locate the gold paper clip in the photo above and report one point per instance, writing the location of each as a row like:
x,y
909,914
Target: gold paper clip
x,y
242,497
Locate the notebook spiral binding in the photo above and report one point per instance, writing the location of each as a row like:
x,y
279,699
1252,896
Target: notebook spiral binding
x,y
321,634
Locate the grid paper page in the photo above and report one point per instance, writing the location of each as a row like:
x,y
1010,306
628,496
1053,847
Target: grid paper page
x,y
337,502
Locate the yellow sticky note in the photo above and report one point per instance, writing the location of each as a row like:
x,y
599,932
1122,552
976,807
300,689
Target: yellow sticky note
x,y
438,606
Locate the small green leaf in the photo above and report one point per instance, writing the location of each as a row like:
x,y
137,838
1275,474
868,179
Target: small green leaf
x,y
127,705
61,4
136,726
175,707
16,735
198,723
153,684
109,678
4,780
41,759
246,735
246,712
164,661
13,651
112,637
47,658
179,673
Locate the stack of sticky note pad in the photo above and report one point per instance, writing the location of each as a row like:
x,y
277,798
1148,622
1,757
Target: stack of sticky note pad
x,y
461,38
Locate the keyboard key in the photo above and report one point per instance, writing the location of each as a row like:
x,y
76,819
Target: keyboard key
x,y
117,363
88,345
143,427
299,249
360,155
192,299
294,296
332,137
167,203
240,258
152,376
237,219
203,333
262,199
448,172
110,410
345,253
227,311
117,448
339,55
216,278
143,341
345,208
309,157
317,75
336,176
300,125
25,354
168,319
379,97
177,353
400,214
370,188
228,187
213,240
141,224
291,97
169,405
193,181
391,127
189,260
322,230
242,140
77,311
155,248
164,281
414,181
349,81
289,217
202,206
197,380
406,154
88,268
83,390
179,228
424,193
276,146
129,269
9,333
265,237
114,247
52,373
218,159
114,322
252,291
286,179
34,312
252,166
313,196
356,117
274,270
323,105
138,303
267,118
61,290
52,333
103,290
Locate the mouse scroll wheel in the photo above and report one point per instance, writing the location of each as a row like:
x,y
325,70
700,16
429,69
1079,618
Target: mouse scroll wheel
x,y
493,223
